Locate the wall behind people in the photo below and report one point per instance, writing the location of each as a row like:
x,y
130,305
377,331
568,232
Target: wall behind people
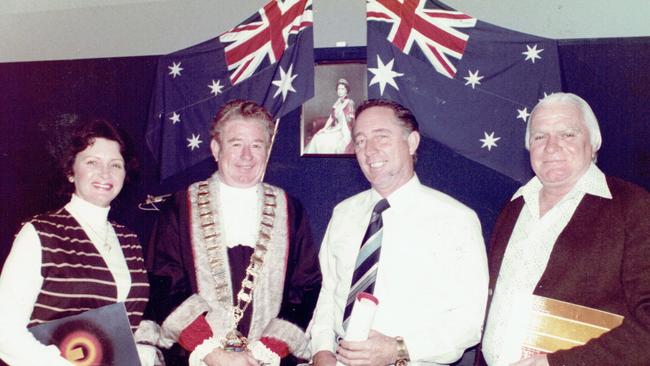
x,y
74,29
120,89
610,75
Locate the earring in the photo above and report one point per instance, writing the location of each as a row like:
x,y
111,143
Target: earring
x,y
71,179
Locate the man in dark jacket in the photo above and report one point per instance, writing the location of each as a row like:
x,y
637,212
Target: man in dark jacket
x,y
570,234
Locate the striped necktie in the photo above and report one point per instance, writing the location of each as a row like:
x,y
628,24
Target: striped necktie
x,y
365,269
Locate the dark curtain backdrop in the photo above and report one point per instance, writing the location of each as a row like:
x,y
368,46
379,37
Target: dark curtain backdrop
x,y
612,74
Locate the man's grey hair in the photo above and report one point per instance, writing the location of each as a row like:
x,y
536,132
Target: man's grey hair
x,y
588,116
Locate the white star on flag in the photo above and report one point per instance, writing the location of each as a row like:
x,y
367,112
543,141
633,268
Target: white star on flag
x,y
523,114
489,141
175,69
532,53
473,79
215,87
194,142
545,95
285,83
175,118
384,74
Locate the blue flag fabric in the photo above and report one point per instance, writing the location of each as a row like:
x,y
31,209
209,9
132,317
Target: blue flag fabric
x,y
470,84
268,58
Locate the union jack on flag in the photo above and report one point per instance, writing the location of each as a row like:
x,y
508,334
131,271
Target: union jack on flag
x,y
267,58
471,91
432,30
252,42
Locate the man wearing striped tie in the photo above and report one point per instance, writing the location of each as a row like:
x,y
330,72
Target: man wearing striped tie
x,y
419,251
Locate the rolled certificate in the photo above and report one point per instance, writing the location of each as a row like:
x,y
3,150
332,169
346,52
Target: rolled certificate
x,y
361,317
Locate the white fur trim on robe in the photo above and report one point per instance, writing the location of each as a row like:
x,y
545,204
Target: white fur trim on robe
x,y
181,317
294,337
269,286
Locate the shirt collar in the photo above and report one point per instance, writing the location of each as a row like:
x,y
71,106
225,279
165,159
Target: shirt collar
x,y
592,182
94,215
400,194
234,194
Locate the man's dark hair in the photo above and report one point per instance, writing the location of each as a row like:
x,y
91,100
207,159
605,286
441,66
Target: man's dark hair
x,y
403,114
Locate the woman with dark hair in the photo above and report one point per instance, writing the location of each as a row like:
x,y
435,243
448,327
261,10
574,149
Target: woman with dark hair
x,y
73,259
335,136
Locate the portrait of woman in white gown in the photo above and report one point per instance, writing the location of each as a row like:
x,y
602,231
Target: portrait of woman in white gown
x,y
335,137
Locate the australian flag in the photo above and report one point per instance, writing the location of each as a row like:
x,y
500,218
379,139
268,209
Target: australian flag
x,y
268,58
470,84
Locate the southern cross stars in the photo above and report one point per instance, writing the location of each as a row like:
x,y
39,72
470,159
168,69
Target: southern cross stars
x,y
489,141
523,114
285,83
384,74
175,69
175,118
473,79
532,53
194,142
215,87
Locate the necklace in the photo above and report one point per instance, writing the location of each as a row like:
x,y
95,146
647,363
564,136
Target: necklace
x,y
234,340
105,244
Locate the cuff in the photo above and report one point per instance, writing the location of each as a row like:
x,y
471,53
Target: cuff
x,y
148,339
202,350
149,332
182,317
265,355
290,334
275,345
195,333
150,355
322,341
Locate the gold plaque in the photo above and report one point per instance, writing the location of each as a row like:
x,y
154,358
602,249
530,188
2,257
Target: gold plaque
x,y
557,325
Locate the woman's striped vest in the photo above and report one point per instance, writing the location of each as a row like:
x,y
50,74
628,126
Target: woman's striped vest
x,y
76,277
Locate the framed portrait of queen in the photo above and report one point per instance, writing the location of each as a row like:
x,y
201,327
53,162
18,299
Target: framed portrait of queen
x,y
328,118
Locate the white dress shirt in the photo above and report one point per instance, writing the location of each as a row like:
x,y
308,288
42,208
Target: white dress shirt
x,y
524,262
432,279
240,210
21,282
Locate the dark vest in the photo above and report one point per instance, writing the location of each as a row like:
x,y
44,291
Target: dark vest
x,y
75,276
